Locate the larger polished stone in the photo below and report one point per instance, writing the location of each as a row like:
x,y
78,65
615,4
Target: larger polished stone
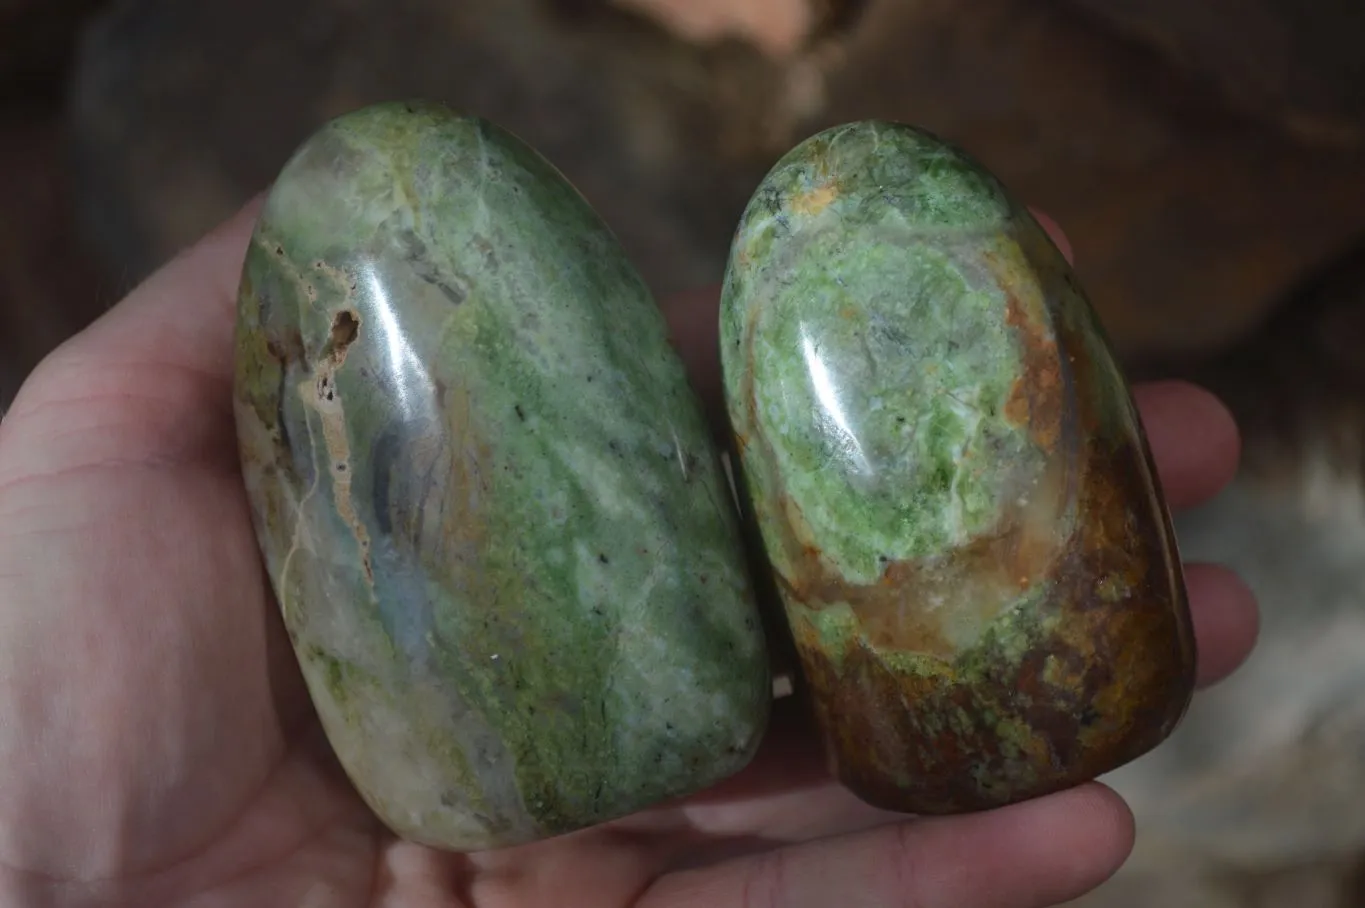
x,y
487,500
950,478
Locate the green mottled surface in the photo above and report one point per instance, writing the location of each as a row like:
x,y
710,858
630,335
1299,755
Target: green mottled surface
x,y
950,478
488,502
884,364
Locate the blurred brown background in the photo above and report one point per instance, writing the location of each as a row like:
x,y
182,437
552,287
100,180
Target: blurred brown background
x,y
1207,160
1203,157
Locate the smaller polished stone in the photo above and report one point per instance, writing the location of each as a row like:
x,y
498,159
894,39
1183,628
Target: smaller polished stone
x,y
487,500
950,478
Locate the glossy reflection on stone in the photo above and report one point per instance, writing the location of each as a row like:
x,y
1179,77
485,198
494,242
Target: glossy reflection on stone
x,y
487,499
950,479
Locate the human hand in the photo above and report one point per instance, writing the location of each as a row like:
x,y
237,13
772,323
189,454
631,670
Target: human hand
x,y
159,748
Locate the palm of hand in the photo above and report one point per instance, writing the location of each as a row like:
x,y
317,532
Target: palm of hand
x,y
160,748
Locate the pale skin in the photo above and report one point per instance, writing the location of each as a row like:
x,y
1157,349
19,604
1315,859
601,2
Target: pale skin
x,y
157,747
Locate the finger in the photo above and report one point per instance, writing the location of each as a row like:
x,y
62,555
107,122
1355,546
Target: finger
x,y
183,314
1054,231
1037,853
1194,440
1226,620
164,353
785,794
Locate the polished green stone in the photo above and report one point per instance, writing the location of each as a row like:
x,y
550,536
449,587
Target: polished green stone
x,y
950,478
487,500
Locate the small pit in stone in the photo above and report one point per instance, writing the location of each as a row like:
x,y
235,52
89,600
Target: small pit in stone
x,y
345,329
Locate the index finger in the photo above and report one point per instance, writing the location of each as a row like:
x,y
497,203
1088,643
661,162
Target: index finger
x,y
186,310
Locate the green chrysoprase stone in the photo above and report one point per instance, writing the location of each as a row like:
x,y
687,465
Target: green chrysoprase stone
x,y
950,478
486,497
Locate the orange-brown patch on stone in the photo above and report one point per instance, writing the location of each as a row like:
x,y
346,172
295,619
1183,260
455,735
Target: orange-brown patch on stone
x,y
321,395
975,583
872,722
1037,397
814,200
